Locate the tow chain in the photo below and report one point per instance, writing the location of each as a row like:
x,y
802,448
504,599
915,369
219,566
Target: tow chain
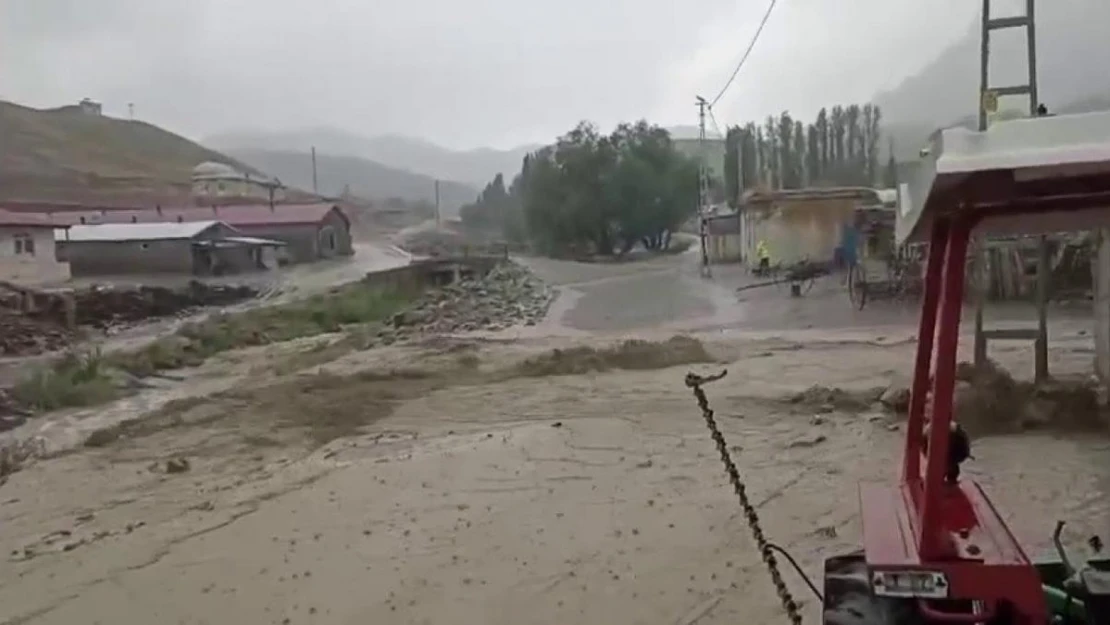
x,y
695,383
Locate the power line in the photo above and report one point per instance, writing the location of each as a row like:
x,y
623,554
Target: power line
x,y
713,118
747,52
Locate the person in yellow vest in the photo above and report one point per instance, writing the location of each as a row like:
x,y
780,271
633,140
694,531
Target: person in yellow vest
x,y
763,257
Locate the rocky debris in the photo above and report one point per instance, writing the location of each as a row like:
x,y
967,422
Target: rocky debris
x,y
21,335
896,397
989,400
15,454
825,399
508,295
101,307
104,308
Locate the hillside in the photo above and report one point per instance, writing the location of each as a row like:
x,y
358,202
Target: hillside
x,y
473,167
366,178
65,155
1070,42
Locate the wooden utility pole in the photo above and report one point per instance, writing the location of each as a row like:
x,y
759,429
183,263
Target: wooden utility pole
x,y
437,204
988,103
703,190
315,187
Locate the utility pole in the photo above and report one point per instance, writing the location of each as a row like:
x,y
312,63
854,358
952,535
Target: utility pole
x,y
131,110
315,187
703,190
988,103
437,203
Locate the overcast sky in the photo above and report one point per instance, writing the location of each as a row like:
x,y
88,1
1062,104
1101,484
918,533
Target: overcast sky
x,y
462,73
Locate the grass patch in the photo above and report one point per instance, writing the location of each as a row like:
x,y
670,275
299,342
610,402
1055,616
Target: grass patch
x,y
321,314
81,379
76,379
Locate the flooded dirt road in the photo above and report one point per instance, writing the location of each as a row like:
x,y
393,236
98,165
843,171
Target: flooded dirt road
x,y
503,481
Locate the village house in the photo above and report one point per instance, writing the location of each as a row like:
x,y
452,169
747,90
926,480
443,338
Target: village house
x,y
27,254
310,232
803,224
188,248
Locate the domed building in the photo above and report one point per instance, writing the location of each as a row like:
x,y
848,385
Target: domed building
x,y
212,180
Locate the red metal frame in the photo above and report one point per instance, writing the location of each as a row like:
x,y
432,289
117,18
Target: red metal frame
x,y
925,523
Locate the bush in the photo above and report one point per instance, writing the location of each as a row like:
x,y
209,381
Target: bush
x,y
76,379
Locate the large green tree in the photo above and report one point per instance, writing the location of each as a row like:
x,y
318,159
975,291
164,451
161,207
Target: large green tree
x,y
839,148
591,193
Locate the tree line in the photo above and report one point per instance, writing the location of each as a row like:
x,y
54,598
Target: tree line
x,y
593,193
840,147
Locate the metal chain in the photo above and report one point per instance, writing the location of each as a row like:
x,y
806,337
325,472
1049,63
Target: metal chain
x,y
695,382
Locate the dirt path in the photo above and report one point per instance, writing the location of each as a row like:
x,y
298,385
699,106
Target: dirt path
x,y
517,478
591,498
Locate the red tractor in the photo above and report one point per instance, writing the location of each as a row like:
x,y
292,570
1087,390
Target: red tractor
x,y
935,548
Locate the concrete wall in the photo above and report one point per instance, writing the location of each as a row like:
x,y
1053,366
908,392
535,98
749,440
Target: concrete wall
x,y
795,230
41,267
726,248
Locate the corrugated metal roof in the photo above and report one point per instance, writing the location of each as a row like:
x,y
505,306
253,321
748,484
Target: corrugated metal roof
x,y
25,220
238,215
134,232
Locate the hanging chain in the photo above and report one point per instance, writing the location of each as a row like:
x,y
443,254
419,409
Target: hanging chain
x,y
695,382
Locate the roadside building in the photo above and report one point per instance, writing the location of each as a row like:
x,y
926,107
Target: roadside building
x,y
188,248
27,251
803,224
310,232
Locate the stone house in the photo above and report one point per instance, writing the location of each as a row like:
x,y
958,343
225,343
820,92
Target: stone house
x,y
27,252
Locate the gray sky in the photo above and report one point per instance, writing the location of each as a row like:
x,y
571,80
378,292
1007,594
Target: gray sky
x,y
462,73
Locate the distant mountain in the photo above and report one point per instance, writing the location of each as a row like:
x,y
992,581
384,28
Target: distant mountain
x,y
1071,44
67,155
474,167
366,178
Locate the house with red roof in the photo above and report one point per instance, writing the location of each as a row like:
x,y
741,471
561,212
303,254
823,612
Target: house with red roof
x,y
310,232
27,253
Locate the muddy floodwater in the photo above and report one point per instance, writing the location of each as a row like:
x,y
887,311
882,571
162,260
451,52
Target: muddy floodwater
x,y
539,476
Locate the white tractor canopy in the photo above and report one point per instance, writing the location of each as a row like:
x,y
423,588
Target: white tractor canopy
x,y
1024,176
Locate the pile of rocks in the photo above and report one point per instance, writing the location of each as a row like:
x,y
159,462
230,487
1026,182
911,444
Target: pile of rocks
x,y
507,296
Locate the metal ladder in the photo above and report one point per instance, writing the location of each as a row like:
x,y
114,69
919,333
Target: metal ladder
x,y
988,99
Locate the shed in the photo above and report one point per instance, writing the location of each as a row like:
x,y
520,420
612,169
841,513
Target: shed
x,y
151,248
724,243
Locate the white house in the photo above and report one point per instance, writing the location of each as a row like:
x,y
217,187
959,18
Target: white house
x,y
27,253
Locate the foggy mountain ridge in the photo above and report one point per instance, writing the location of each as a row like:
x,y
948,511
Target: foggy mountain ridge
x,y
1070,43
419,156
366,178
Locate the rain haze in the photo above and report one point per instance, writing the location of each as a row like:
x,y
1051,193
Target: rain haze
x,y
462,74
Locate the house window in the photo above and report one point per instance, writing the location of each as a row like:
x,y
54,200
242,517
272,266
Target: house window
x,y
24,245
